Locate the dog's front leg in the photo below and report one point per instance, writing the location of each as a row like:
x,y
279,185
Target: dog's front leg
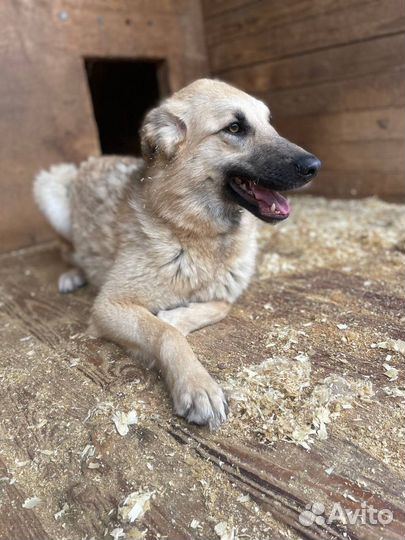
x,y
196,315
196,395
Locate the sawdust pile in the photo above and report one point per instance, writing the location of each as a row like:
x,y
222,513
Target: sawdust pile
x,y
283,398
278,399
333,233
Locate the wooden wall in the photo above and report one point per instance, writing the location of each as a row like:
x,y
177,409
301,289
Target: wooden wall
x,y
332,72
46,112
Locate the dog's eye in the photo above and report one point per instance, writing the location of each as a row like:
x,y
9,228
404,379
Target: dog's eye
x,y
234,128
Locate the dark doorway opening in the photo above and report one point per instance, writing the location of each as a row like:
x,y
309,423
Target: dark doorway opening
x,y
122,92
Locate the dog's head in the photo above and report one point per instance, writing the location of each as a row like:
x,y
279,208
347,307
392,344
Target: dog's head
x,y
218,149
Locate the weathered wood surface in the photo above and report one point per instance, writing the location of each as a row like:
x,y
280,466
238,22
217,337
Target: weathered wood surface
x,y
46,114
261,31
332,73
53,378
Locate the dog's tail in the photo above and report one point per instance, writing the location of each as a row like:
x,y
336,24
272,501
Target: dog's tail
x,y
52,195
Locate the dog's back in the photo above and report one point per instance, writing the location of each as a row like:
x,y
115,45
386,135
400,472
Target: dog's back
x,y
98,191
82,205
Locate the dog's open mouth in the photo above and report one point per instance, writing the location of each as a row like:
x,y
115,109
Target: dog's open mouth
x,y
269,205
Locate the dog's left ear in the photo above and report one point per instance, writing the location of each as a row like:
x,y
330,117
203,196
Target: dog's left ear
x,y
161,134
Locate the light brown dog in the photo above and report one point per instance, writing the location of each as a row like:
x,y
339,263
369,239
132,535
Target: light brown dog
x,y
170,239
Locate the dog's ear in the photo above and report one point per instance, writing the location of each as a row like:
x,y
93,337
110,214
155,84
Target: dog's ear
x,y
161,134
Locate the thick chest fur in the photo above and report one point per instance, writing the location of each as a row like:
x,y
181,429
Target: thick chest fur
x,y
217,269
219,272
163,273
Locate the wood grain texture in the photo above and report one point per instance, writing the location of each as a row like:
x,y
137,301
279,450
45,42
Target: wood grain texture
x,y
60,389
46,112
14,523
350,62
266,477
333,75
269,30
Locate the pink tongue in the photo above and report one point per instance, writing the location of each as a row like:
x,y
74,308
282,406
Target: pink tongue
x,y
271,197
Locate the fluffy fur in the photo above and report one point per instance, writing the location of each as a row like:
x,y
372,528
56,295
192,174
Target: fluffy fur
x,y
163,238
51,193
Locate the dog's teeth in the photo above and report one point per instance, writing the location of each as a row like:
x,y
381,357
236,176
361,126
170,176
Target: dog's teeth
x,y
273,207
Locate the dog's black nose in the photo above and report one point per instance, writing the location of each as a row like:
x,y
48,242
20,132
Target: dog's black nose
x,y
308,166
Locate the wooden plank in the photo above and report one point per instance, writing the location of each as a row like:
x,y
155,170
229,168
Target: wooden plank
x,y
385,124
274,481
212,8
46,113
362,183
145,30
41,332
352,168
358,169
356,60
384,157
257,16
384,89
43,127
345,22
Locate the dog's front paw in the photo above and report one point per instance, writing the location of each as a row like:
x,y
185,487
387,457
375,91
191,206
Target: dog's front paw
x,y
200,400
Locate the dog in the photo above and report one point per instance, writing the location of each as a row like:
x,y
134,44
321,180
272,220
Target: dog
x,y
170,239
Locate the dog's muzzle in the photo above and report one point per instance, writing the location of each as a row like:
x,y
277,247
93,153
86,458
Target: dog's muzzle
x,y
257,184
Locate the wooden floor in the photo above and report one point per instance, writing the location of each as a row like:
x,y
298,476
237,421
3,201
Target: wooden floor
x,y
61,388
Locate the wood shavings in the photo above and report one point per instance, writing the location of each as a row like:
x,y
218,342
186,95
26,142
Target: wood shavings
x,y
356,233
391,372
74,362
102,407
396,345
273,263
277,400
284,338
123,420
194,524
351,497
135,505
117,533
47,452
225,531
364,390
88,452
321,417
301,357
31,502
135,534
61,512
19,463
243,498
342,326
394,392
301,436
